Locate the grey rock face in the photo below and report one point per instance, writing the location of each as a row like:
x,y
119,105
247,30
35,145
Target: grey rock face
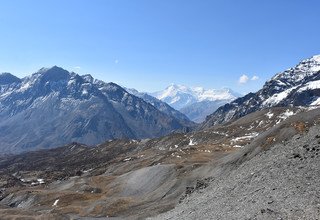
x,y
54,107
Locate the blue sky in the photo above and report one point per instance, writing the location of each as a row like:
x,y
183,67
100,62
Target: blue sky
x,y
148,44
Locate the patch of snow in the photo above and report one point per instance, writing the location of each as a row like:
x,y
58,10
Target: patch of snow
x,y
84,92
71,81
220,133
260,123
315,68
278,97
127,159
55,202
316,58
310,86
40,181
175,155
246,137
25,86
269,114
281,83
87,171
134,141
239,146
251,127
286,114
191,143
316,102
6,94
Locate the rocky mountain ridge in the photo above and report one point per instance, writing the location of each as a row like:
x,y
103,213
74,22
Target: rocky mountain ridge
x,y
54,107
297,86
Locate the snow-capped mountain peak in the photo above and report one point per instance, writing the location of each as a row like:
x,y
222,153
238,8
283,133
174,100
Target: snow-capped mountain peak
x,y
297,86
179,95
195,102
173,90
305,68
214,94
54,107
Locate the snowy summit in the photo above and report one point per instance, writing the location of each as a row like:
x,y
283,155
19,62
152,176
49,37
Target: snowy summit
x,y
195,102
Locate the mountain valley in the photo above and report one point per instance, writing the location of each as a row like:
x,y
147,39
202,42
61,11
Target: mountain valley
x,y
254,158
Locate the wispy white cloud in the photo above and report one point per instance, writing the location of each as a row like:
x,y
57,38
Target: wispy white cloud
x,y
254,78
116,61
77,67
243,79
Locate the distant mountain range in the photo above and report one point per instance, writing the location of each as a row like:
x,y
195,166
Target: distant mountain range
x,y
54,107
297,86
195,102
162,106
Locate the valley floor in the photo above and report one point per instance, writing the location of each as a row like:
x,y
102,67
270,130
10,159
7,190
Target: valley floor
x,y
261,166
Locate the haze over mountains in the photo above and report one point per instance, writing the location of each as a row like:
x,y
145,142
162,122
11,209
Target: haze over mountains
x,y
162,106
54,107
195,102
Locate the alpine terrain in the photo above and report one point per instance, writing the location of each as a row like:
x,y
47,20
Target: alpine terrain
x,y
162,106
297,86
195,102
255,158
53,107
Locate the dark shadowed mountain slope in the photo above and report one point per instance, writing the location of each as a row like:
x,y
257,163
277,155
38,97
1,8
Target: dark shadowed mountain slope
x,y
297,86
53,107
8,79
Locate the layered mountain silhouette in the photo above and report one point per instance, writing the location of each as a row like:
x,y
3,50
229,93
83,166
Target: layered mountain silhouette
x,y
54,107
162,106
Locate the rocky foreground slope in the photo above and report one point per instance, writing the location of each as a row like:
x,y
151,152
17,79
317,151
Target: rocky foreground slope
x,y
270,182
135,179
